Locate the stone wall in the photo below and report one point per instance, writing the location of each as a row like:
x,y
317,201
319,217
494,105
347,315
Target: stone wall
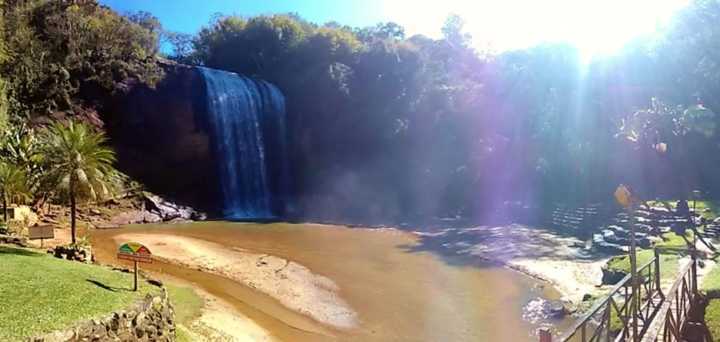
x,y
153,319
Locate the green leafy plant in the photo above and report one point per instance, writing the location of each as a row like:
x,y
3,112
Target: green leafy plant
x,y
13,185
80,166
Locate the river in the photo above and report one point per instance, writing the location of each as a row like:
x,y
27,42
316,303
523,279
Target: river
x,y
398,293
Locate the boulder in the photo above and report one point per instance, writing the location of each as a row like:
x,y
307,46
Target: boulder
x,y
169,211
611,276
73,253
620,232
135,217
609,236
556,309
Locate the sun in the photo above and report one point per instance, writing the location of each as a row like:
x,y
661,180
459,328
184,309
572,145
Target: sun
x,y
593,26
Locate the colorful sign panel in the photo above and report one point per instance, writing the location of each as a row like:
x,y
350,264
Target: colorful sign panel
x,y
134,251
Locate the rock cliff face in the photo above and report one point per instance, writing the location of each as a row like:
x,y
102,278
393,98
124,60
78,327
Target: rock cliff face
x,y
203,138
161,137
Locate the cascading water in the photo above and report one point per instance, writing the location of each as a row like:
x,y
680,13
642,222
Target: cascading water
x,y
247,117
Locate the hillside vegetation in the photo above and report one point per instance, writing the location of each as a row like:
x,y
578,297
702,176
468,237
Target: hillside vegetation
x,y
411,126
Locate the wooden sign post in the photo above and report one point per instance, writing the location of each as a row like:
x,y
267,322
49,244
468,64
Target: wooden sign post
x,y
625,198
41,233
135,252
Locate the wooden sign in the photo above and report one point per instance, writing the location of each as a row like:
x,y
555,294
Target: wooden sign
x,y
41,232
134,251
623,196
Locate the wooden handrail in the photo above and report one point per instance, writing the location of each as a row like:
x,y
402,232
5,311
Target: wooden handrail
x,y
623,283
665,312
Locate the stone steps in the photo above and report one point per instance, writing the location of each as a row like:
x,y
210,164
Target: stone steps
x,y
648,222
573,218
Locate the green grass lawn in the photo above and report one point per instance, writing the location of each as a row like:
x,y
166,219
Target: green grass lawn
x,y
673,243
40,293
711,282
712,317
188,306
668,269
700,205
668,263
711,286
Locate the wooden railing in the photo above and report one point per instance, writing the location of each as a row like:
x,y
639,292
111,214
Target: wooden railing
x,y
659,317
613,318
676,309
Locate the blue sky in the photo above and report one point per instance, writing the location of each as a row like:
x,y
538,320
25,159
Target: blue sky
x,y
189,15
594,26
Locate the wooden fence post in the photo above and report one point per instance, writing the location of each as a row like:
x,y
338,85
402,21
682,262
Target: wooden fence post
x,y
693,270
545,335
657,271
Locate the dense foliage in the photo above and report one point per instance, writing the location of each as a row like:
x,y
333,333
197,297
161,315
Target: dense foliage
x,y
387,125
59,53
58,59
394,126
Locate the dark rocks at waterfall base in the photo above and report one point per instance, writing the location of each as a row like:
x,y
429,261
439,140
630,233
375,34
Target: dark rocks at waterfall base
x,y
161,210
155,209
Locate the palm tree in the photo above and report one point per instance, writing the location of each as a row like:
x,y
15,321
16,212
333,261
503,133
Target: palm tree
x,y
79,165
13,185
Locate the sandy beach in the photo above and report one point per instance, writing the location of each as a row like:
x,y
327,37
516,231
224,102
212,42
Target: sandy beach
x,y
294,285
219,321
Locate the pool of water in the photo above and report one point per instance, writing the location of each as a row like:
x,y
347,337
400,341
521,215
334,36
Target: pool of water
x,y
398,293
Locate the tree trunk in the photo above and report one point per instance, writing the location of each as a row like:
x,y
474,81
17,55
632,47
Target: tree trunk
x,y
4,206
72,215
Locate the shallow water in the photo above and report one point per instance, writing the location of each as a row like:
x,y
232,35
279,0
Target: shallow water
x,y
399,294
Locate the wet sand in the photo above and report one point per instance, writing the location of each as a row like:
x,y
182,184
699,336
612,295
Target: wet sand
x,y
219,321
398,291
295,286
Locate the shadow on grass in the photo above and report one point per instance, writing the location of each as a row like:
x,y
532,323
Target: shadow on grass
x,y
18,251
106,287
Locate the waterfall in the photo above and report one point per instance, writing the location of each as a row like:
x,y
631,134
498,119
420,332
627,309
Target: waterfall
x,y
247,121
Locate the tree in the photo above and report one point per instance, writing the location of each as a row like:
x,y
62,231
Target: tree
x,y
80,166
21,147
57,51
453,31
13,185
182,46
